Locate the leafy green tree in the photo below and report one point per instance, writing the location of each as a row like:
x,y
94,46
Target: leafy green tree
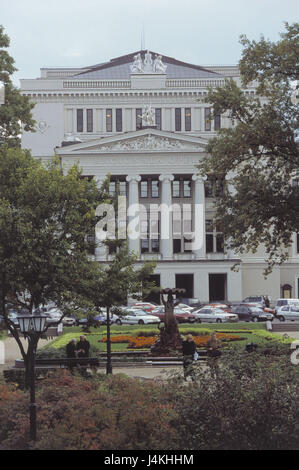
x,y
44,218
121,278
258,155
15,113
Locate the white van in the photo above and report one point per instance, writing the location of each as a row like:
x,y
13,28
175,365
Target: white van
x,y
282,302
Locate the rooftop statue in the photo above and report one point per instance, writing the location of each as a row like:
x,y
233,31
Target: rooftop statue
x,y
158,65
148,62
137,65
148,65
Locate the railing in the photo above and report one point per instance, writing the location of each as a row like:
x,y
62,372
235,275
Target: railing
x,y
193,83
98,84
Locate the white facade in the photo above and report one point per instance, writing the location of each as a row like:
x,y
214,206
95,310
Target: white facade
x,y
93,115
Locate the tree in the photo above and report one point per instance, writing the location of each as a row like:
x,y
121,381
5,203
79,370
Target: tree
x,y
44,218
15,113
259,154
120,278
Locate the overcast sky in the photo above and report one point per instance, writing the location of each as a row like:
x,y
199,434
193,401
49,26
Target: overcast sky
x,y
86,32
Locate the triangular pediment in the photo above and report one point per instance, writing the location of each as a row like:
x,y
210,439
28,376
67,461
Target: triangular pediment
x,y
142,141
119,68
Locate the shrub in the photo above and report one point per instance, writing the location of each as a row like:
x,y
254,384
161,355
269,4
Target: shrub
x,y
109,414
250,401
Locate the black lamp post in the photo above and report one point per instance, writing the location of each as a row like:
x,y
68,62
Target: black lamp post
x,y
32,327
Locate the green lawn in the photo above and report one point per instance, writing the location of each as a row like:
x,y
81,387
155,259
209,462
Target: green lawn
x,y
250,332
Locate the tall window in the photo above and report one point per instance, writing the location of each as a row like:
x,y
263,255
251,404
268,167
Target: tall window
x,y
122,188
138,118
207,119
155,188
112,188
176,188
108,120
217,122
214,239
158,115
79,120
119,120
144,189
181,187
149,233
187,188
178,119
214,186
89,120
187,119
297,242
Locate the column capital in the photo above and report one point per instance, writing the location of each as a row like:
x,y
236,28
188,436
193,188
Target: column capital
x,y
199,178
135,178
166,177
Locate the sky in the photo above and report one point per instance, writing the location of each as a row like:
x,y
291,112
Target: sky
x,y
77,33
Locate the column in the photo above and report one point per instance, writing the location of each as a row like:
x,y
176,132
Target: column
x,y
101,251
231,189
166,242
199,225
133,214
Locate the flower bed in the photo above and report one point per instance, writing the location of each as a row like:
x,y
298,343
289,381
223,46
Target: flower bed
x,y
140,342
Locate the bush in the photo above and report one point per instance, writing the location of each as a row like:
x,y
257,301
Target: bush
x,y
248,401
109,414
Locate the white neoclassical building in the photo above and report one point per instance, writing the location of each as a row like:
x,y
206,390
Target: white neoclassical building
x,y
143,118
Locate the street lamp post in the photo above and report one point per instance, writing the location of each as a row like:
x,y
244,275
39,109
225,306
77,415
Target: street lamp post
x,y
32,326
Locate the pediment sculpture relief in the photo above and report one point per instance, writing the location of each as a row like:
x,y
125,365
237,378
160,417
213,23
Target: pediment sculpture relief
x,y
150,142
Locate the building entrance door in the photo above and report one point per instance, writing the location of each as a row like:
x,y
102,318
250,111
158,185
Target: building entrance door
x,y
185,281
217,287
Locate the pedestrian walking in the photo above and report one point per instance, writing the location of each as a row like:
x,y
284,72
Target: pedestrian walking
x,y
189,349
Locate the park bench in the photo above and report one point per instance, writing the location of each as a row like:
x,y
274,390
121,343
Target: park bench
x,y
61,362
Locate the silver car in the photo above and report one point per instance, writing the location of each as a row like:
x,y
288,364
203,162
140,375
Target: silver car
x,y
288,312
138,317
214,315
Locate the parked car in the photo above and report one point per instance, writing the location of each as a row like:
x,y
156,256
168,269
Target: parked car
x,y
282,302
102,318
192,302
224,307
214,315
288,312
146,306
266,309
250,313
182,316
54,316
138,317
256,299
185,307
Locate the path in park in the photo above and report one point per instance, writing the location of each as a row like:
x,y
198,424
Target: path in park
x,y
12,352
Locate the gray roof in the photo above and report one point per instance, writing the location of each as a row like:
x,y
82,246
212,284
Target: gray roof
x,y
119,69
